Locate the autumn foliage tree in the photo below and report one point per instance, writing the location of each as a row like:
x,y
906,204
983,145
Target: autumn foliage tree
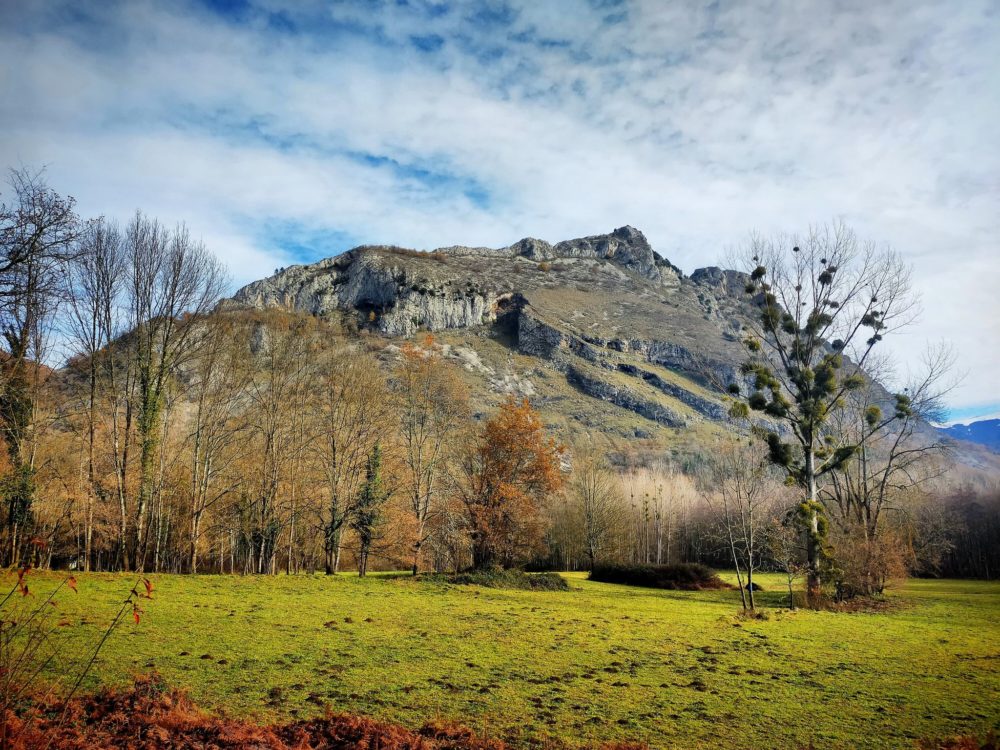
x,y
507,472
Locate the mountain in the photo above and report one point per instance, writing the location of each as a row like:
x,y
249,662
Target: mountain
x,y
985,432
604,317
609,339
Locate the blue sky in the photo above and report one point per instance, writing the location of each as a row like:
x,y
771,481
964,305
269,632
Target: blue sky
x,y
286,131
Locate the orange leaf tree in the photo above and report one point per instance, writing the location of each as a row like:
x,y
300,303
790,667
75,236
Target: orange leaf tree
x,y
507,472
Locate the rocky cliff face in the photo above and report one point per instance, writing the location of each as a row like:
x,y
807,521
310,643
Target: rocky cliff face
x,y
463,287
600,311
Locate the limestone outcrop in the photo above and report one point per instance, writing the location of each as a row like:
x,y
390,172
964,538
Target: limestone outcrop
x,y
595,309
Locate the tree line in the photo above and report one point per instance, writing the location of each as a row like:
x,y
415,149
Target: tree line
x,y
180,435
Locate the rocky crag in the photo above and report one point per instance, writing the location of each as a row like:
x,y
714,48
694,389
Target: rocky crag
x,y
616,320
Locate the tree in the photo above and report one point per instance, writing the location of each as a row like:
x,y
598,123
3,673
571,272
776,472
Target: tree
x,y
507,471
368,514
352,416
172,281
741,484
38,232
895,459
219,392
784,544
283,372
596,490
138,297
95,289
819,300
433,406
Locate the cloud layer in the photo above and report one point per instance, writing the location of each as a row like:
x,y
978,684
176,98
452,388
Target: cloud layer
x,y
289,131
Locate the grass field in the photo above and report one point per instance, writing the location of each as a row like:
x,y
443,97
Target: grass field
x,y
599,662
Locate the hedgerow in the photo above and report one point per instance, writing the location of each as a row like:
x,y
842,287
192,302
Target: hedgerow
x,y
680,577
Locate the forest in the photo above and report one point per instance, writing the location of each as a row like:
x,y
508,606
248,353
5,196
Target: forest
x,y
150,426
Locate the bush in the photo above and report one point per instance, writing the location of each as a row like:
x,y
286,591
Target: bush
x,y
498,578
681,577
864,567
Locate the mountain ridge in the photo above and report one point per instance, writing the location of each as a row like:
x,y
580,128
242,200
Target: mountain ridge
x,y
603,332
985,432
593,308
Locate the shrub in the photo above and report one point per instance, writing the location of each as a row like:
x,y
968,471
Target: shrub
x,y
408,253
680,577
864,567
544,266
498,578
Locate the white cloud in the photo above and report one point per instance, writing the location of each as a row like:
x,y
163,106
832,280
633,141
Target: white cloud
x,y
545,119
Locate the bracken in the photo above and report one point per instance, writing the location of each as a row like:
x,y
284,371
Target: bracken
x,y
150,716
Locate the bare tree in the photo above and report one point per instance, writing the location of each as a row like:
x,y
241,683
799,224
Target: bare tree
x,y
353,414
899,456
784,542
282,374
171,282
433,407
219,392
95,288
38,231
742,487
596,490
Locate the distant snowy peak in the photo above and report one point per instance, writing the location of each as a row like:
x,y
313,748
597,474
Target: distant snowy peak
x,y
985,432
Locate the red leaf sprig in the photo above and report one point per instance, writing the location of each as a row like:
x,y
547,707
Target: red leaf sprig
x,y
21,573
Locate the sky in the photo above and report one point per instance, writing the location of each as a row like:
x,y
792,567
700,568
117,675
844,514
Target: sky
x,y
284,131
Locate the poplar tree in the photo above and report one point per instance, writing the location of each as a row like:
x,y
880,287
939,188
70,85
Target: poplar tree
x,y
823,304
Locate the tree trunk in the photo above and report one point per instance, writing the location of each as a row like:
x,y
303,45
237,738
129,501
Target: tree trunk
x,y
362,562
88,534
416,557
291,538
331,550
336,556
813,582
481,555
195,532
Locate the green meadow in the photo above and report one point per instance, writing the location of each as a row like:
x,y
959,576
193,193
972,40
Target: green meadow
x,y
599,662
